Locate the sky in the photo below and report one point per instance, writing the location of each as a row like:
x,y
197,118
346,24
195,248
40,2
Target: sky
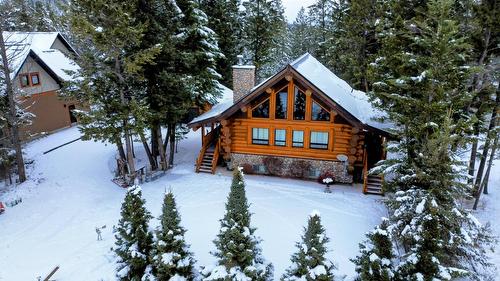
x,y
292,7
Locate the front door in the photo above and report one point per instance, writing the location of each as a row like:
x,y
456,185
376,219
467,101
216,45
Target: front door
x,y
374,149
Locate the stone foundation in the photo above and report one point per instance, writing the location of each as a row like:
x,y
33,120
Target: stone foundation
x,y
317,167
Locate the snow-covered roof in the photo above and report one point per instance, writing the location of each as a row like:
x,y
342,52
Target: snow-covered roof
x,y
223,102
353,101
20,44
227,94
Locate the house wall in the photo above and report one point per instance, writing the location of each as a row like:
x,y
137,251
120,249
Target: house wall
x,y
47,83
51,114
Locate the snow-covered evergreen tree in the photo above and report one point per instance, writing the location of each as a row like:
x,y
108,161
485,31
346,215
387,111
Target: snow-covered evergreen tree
x,y
300,34
310,263
171,259
375,260
263,26
133,238
421,79
238,252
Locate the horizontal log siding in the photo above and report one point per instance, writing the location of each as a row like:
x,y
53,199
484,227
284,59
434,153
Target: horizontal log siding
x,y
339,138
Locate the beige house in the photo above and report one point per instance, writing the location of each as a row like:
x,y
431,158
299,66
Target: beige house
x,y
39,61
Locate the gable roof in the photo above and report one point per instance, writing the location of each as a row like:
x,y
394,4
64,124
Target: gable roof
x,y
38,45
350,103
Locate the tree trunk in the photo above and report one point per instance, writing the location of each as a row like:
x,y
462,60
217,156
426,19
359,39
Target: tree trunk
x,y
165,143
119,146
12,115
152,161
172,146
154,141
128,143
473,153
490,163
161,150
491,130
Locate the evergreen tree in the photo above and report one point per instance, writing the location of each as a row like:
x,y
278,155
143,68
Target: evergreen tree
x,y
300,33
421,80
263,26
310,263
133,239
321,19
375,260
225,20
238,253
171,259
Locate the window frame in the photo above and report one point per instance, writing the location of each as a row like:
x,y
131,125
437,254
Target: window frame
x,y
27,75
260,141
31,79
313,101
268,99
325,146
282,141
276,93
294,142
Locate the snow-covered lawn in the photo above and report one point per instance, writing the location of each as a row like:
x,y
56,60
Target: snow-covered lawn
x,y
70,193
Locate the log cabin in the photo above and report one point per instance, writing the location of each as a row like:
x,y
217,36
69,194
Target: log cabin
x,y
304,121
38,63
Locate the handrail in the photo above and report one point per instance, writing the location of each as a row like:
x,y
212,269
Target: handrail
x,y
365,171
216,156
199,160
206,142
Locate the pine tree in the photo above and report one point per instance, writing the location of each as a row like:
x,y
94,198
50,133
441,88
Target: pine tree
x,y
171,259
321,19
420,78
300,33
310,263
133,239
238,253
263,26
225,20
375,260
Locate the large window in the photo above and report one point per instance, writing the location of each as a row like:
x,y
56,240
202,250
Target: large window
x,y
261,110
299,105
280,137
260,136
281,103
319,113
298,139
319,140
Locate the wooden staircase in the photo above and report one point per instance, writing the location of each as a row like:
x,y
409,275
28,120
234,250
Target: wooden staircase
x,y
372,184
209,153
207,160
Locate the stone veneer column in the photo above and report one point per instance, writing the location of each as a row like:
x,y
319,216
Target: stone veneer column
x,y
243,80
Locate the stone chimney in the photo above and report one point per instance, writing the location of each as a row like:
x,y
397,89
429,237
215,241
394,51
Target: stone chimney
x,y
243,79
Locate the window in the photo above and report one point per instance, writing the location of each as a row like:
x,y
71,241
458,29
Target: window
x,y
260,136
299,106
261,110
298,139
35,79
319,140
24,80
281,103
280,137
319,113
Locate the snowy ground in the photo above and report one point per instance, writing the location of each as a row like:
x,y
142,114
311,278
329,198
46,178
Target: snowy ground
x,y
70,193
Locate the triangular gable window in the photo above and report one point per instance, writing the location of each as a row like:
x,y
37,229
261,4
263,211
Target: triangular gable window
x,y
319,113
261,110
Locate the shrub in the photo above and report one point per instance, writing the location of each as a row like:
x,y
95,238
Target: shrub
x,y
274,165
299,168
326,175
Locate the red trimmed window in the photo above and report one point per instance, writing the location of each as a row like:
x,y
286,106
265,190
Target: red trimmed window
x,y
35,79
24,79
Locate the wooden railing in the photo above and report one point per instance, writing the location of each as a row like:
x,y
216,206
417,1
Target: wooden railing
x,y
206,141
216,156
365,171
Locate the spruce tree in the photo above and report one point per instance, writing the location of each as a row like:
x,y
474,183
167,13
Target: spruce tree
x,y
375,260
421,79
133,239
171,257
321,19
238,253
310,263
263,26
224,19
300,35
